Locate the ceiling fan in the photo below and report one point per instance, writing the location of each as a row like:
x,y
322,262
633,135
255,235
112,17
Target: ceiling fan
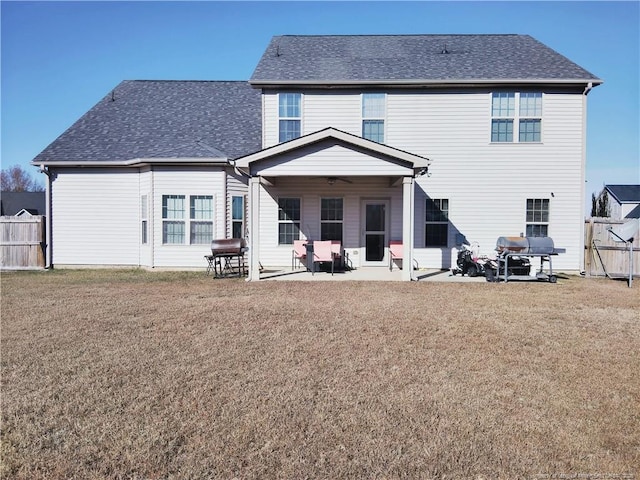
x,y
333,180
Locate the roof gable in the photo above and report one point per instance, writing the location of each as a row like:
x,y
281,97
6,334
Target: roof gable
x,y
625,193
635,213
412,59
144,119
309,145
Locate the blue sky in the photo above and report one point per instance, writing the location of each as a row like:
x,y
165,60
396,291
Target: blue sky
x,y
59,58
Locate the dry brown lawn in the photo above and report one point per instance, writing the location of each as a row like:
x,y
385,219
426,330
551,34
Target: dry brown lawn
x,y
153,375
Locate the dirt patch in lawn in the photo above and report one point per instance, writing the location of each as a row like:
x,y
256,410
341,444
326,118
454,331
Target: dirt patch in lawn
x,y
133,374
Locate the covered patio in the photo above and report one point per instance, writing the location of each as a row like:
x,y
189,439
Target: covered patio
x,y
331,185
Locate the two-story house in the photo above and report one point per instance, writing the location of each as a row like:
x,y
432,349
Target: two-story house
x,y
433,140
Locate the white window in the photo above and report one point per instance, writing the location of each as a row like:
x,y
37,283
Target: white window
x,y
201,216
530,124
373,115
436,222
144,216
537,217
289,115
331,219
237,216
174,219
510,124
288,220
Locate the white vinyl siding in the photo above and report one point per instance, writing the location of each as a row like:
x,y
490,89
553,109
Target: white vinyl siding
x,y
96,217
487,182
325,158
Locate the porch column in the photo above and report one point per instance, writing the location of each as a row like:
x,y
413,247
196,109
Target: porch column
x,y
254,229
407,228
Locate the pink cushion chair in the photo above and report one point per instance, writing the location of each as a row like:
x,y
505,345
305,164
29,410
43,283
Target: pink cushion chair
x,y
396,252
299,252
322,252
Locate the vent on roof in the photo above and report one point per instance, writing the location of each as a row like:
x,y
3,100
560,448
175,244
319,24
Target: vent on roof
x,y
277,50
444,50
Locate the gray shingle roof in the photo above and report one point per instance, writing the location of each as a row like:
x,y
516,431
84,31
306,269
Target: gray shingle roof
x,y
164,119
625,193
635,213
412,58
12,202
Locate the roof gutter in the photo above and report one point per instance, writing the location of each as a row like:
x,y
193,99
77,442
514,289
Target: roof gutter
x,y
426,82
135,162
588,88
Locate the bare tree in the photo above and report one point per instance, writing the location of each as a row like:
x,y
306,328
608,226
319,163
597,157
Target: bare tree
x,y
17,179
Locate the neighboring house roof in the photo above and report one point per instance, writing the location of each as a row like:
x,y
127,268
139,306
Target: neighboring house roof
x,y
162,119
12,203
635,213
624,193
413,59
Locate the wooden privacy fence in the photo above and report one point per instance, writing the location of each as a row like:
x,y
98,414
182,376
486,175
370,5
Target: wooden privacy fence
x,y
22,242
605,257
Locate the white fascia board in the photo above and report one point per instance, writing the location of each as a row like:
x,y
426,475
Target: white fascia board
x,y
135,162
416,160
428,82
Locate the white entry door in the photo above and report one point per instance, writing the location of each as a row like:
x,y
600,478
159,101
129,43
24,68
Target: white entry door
x,y
375,234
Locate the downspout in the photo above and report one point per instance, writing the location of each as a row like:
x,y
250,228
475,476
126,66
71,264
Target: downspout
x,y
152,224
583,170
48,234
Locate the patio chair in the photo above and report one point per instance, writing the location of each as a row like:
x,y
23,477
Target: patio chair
x,y
338,253
396,251
299,252
322,253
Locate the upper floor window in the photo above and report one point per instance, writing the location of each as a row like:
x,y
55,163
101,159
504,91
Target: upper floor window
x,y
509,123
373,115
289,115
437,222
537,217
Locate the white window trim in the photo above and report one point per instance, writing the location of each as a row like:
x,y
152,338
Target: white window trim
x,y
287,221
290,118
341,222
516,118
383,118
547,223
243,220
447,223
144,219
186,219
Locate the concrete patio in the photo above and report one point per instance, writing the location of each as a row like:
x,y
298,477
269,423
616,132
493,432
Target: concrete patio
x,y
365,274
